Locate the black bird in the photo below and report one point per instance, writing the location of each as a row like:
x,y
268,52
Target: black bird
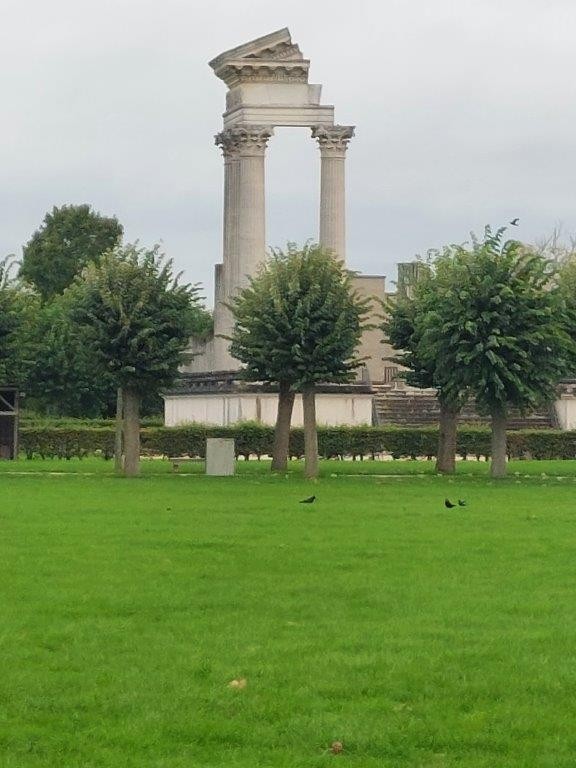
x,y
309,500
461,503
514,222
448,504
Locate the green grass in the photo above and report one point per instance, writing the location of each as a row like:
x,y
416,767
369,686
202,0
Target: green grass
x,y
92,465
418,636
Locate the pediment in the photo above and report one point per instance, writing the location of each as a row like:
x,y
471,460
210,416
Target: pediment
x,y
270,58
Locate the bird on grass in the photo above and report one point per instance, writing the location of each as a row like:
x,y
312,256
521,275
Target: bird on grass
x,y
309,500
448,504
515,222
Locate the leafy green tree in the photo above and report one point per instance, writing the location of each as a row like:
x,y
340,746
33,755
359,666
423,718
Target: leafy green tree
x,y
298,323
140,318
404,324
497,330
69,238
18,307
565,279
67,377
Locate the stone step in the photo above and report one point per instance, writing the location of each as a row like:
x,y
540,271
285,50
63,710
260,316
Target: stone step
x,y
414,408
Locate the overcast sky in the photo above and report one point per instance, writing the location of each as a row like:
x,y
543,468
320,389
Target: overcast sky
x,y
465,115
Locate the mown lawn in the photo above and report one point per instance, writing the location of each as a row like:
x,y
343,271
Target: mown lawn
x,y
403,467
415,635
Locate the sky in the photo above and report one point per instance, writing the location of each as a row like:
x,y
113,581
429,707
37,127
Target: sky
x,y
465,115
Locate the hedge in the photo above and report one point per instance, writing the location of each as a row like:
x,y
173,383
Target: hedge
x,y
253,439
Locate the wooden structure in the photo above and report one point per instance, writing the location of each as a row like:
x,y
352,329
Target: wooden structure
x,y
9,409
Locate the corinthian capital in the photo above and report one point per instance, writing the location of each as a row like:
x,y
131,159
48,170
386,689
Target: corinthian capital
x,y
227,141
333,139
251,139
243,140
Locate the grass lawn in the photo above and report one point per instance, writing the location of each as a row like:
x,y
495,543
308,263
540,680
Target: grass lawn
x,y
418,636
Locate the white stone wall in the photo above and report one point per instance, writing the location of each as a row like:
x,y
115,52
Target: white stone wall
x,y
371,347
565,409
227,409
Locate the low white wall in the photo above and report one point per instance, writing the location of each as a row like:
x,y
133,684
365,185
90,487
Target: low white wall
x,y
223,410
565,409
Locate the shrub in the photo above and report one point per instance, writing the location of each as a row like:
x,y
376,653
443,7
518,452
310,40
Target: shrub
x,y
66,443
252,439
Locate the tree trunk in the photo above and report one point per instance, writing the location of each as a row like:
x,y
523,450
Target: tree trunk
x,y
131,432
282,429
498,463
446,459
118,462
310,432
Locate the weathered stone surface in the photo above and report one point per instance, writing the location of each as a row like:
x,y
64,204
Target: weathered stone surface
x,y
268,86
333,141
227,408
220,458
267,82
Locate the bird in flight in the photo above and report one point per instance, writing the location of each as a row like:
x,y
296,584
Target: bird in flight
x,y
515,222
461,502
309,500
448,504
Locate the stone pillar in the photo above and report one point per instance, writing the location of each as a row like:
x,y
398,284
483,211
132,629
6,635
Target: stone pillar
x,y
333,141
244,235
224,287
250,246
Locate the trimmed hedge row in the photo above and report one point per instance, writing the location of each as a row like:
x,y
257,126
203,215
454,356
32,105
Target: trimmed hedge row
x,y
38,421
253,439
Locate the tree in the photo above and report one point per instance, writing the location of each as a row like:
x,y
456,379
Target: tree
x,y
497,330
403,326
140,318
298,323
67,377
18,308
559,246
69,238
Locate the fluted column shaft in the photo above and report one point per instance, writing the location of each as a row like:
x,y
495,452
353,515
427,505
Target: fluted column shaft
x,y
333,141
251,222
244,236
223,272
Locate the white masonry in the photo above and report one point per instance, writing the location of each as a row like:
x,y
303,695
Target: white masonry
x,y
268,86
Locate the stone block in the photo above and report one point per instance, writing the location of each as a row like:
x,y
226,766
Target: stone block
x,y
220,457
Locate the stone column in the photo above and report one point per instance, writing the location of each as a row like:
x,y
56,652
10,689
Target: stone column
x,y
223,277
250,246
244,236
333,141
227,142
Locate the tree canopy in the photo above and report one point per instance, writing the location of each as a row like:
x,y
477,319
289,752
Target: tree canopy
x,y
299,319
404,326
17,316
497,330
139,319
402,329
298,323
67,377
69,238
139,314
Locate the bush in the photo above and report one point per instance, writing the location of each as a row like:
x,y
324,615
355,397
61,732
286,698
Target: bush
x,y
66,443
252,439
175,441
31,419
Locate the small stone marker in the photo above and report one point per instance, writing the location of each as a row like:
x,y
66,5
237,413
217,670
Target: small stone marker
x,y
220,457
